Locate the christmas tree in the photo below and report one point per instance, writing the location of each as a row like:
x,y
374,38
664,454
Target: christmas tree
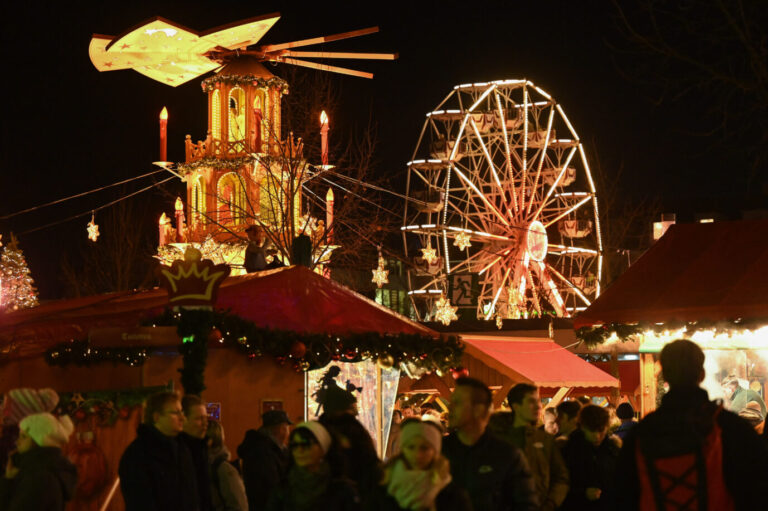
x,y
17,290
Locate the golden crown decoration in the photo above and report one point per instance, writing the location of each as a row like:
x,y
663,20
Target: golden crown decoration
x,y
193,281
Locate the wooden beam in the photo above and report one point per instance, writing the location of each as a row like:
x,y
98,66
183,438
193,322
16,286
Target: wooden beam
x,y
561,394
326,67
501,394
340,55
322,39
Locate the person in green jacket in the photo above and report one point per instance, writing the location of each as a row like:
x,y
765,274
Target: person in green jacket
x,y
519,428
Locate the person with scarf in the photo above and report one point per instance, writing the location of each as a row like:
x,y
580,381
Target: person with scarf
x,y
315,478
38,475
419,477
227,488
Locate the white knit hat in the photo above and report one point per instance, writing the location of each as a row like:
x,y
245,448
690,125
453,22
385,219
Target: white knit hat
x,y
428,430
319,432
46,430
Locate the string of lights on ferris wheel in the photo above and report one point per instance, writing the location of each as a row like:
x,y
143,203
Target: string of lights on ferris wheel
x,y
93,210
78,195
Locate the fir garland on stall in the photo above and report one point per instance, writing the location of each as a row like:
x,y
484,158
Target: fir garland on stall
x,y
302,351
215,163
106,405
259,81
596,335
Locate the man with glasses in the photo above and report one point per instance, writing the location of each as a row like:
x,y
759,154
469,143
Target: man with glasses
x,y
156,470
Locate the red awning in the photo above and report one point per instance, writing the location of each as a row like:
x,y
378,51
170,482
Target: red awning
x,y
715,271
543,363
293,298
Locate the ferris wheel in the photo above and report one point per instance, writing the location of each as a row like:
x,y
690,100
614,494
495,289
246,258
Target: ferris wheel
x,y
501,212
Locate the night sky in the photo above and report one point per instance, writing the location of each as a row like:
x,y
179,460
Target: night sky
x,y
68,128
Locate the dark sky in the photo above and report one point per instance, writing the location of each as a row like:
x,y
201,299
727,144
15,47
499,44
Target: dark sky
x,y
67,128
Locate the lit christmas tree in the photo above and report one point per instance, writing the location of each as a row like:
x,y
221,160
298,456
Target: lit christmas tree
x,y
17,290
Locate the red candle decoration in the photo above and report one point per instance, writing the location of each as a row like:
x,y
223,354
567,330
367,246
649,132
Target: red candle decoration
x,y
164,134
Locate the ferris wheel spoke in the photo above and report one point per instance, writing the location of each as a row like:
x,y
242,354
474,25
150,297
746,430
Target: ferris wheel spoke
x,y
481,196
543,154
498,293
555,183
571,285
488,158
508,157
558,303
568,211
466,262
525,148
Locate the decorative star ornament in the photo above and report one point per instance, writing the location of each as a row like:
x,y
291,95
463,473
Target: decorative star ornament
x,y
380,275
77,399
93,230
445,312
462,241
429,254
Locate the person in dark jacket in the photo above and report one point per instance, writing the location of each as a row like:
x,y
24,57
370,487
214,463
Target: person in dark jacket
x,y
494,473
519,428
685,416
156,470
227,489
38,476
265,457
193,436
591,455
418,477
626,415
314,480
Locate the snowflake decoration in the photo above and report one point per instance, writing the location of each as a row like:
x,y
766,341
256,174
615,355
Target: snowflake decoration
x,y
462,241
445,312
93,230
429,254
499,322
380,275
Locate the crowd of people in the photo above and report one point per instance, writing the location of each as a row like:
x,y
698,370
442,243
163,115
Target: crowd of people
x,y
691,453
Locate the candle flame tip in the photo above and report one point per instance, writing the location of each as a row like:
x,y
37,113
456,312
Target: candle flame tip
x,y
164,113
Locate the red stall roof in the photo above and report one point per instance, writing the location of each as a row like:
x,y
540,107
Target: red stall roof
x,y
714,271
543,363
292,298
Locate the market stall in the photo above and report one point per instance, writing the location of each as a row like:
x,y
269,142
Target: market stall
x,y
706,282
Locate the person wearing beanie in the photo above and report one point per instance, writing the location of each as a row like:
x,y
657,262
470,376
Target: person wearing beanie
x,y
315,478
418,478
38,476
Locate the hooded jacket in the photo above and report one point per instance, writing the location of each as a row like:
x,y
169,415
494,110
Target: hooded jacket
x,y
157,474
45,482
547,465
227,489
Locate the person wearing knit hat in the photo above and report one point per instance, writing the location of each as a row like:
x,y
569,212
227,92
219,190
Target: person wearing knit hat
x,y
419,477
39,476
314,480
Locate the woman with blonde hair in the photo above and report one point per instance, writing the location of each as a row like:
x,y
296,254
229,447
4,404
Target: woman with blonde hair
x,y
419,477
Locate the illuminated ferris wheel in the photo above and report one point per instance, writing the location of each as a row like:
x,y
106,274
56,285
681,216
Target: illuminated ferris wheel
x,y
501,213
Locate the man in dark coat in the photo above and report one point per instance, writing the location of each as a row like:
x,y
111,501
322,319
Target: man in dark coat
x,y
193,436
494,473
264,456
591,455
684,419
156,471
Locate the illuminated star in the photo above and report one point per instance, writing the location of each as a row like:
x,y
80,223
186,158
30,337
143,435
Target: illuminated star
x,y
77,398
380,275
445,312
108,64
93,230
462,241
429,254
124,46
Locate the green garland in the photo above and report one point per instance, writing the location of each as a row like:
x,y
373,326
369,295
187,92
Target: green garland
x,y
216,163
275,81
106,405
301,351
596,335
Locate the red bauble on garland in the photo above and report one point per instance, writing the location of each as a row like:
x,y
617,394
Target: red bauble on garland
x,y
80,415
459,372
298,349
124,412
350,354
215,335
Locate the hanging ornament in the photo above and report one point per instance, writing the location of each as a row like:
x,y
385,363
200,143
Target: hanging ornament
x,y
459,372
445,312
93,229
499,322
429,254
298,349
386,361
380,275
462,241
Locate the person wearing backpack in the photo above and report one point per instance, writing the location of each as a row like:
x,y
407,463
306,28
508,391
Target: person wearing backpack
x,y
690,450
227,488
